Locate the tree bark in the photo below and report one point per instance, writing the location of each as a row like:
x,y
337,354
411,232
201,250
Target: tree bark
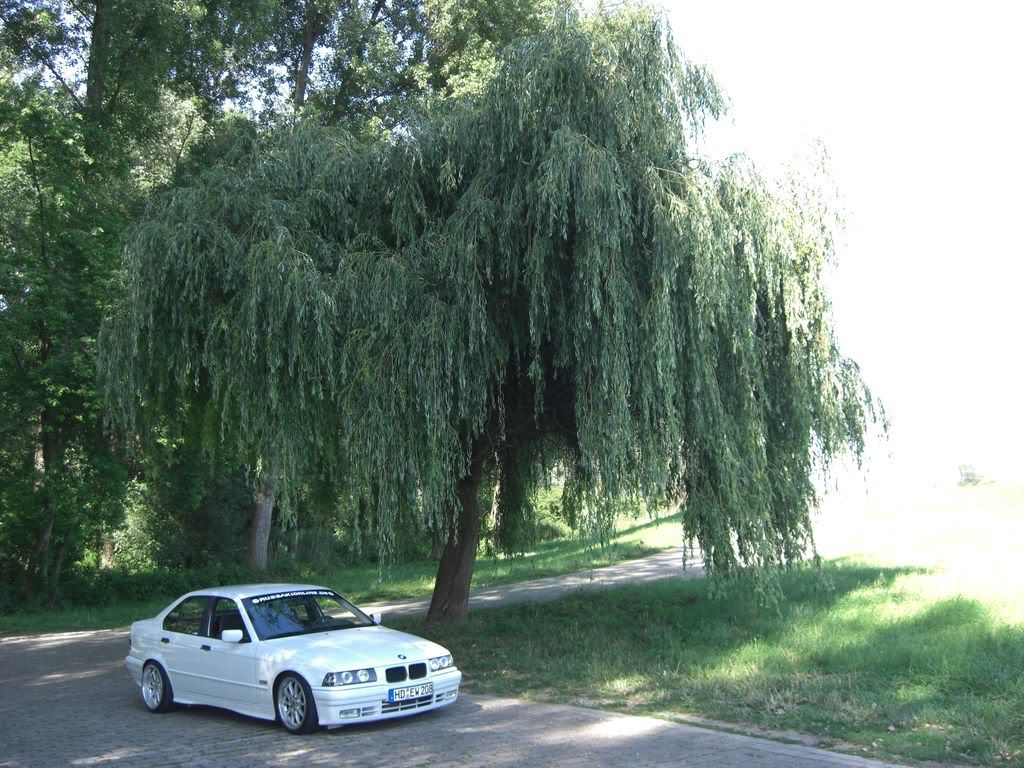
x,y
259,531
455,573
311,30
107,551
436,546
96,70
38,562
45,461
51,601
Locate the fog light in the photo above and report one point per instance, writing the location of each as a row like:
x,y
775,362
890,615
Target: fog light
x,y
348,714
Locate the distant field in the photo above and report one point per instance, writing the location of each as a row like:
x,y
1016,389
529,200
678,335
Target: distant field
x,y
365,583
970,539
909,646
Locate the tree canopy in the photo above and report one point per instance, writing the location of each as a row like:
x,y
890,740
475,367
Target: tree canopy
x,y
536,273
102,104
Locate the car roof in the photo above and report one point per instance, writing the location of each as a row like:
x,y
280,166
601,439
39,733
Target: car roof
x,y
241,591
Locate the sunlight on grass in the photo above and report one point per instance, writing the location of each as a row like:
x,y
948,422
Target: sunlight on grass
x,y
909,643
968,538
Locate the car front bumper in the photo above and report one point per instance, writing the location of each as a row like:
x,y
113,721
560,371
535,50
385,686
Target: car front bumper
x,y
363,704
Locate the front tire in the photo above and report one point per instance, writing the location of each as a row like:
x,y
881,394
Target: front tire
x,y
157,694
296,709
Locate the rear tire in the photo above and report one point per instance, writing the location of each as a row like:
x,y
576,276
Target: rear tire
x,y
296,709
157,694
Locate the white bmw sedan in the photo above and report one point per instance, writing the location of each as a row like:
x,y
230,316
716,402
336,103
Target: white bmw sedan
x,y
300,654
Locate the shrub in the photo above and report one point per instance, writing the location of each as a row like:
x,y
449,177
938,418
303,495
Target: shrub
x,y
970,476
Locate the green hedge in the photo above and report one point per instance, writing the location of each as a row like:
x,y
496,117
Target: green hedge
x,y
106,586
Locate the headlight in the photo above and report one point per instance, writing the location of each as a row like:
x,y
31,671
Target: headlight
x,y
349,677
441,662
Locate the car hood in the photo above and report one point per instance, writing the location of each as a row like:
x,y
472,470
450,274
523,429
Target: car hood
x,y
351,649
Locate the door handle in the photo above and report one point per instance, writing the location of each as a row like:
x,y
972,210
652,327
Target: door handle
x,y
205,647
164,640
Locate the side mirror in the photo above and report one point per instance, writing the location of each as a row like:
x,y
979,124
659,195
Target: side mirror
x,y
377,618
231,635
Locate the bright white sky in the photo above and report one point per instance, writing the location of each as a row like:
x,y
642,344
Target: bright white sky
x,y
921,106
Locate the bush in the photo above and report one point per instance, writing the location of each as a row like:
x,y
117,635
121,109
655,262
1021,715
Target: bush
x,y
8,599
970,476
97,587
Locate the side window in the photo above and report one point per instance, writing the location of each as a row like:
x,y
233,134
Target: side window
x,y
227,616
187,616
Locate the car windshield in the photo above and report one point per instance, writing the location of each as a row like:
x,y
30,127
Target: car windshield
x,y
302,611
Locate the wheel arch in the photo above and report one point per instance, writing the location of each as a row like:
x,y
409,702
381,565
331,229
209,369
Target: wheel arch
x,y
158,660
280,676
311,718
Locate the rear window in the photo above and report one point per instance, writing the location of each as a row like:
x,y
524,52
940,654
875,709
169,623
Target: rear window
x,y
187,616
301,612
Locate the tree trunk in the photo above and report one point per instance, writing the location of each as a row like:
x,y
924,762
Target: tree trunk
x,y
107,551
455,573
436,546
96,68
36,566
310,32
259,531
45,461
51,601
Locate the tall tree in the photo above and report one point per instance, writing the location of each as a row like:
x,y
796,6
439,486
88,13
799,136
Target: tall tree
x,y
131,88
56,261
84,99
536,270
366,63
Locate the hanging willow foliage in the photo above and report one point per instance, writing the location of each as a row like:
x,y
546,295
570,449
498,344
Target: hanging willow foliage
x,y
534,274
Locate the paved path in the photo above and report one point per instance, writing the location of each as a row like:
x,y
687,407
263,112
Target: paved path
x,y
664,565
65,699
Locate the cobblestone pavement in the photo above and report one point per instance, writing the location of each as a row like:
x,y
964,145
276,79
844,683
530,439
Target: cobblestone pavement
x,y
66,699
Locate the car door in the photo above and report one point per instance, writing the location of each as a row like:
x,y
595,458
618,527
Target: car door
x,y
229,669
182,636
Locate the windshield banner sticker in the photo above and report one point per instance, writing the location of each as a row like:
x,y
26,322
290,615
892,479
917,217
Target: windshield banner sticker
x,y
297,593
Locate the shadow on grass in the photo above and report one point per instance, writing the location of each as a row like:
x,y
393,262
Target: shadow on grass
x,y
856,653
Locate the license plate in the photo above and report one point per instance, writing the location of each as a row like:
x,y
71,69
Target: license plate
x,y
412,692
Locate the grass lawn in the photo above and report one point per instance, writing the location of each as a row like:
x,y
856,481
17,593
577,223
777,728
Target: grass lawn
x,y
365,584
911,648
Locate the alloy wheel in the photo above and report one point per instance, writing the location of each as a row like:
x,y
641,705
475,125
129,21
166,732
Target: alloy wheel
x,y
152,686
291,704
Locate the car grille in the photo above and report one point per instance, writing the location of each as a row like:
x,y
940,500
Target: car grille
x,y
403,706
416,671
395,674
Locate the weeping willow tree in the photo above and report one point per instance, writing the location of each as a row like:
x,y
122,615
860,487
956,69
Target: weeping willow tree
x,y
536,274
